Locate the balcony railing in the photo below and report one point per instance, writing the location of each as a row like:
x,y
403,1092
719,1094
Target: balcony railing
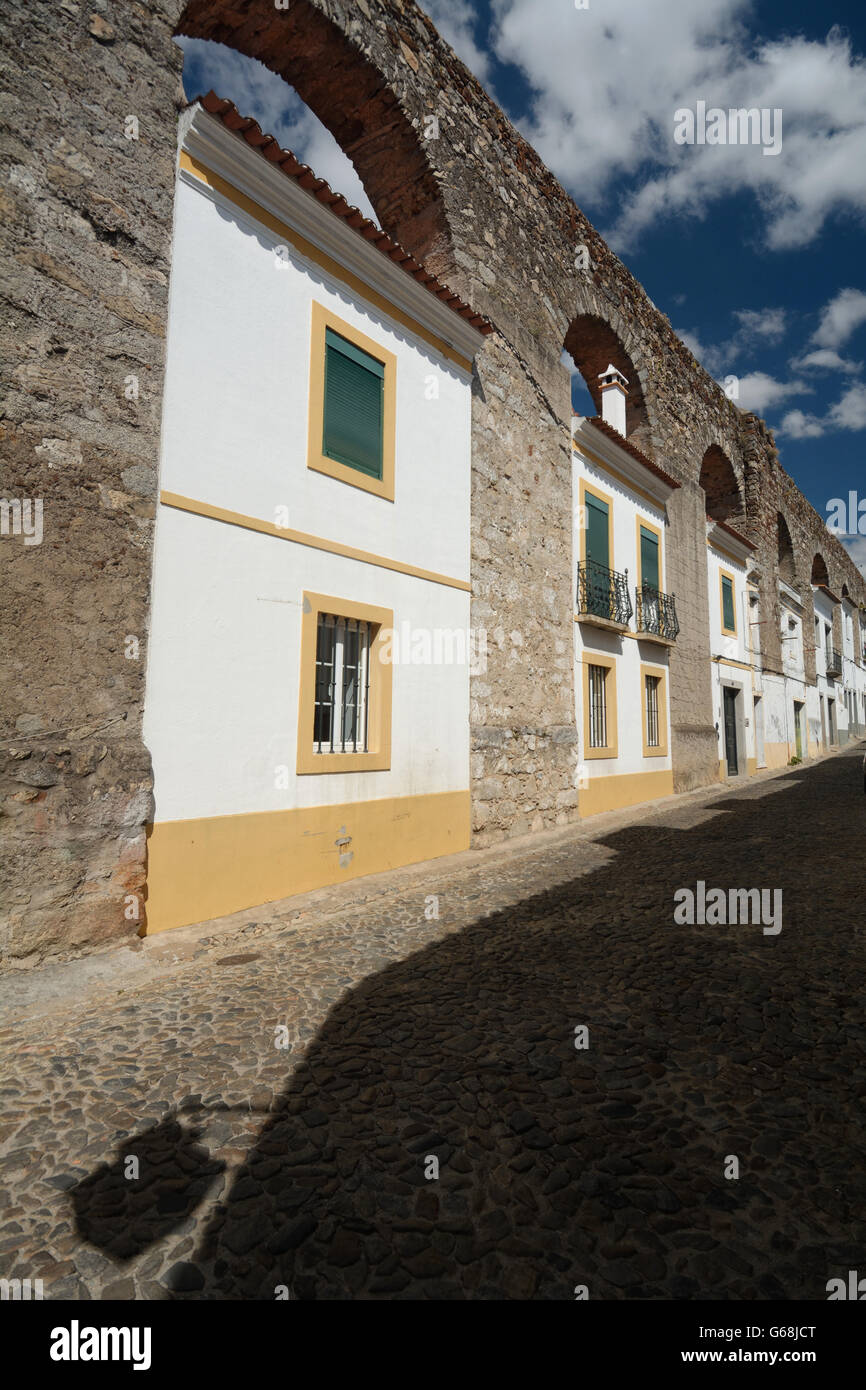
x,y
602,593
834,662
656,612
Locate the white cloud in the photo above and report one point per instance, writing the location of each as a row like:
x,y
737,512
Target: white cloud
x,y
258,92
712,358
856,547
765,324
608,80
798,425
455,20
758,391
757,328
825,359
849,413
840,318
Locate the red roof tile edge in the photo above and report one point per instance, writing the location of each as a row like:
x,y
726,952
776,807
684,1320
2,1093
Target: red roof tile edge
x,y
303,175
610,433
737,535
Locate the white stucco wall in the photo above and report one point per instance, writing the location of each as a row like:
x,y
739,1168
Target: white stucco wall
x,y
630,653
223,673
237,391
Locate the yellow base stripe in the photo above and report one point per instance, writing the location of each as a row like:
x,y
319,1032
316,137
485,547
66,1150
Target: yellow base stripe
x,y
321,258
285,533
198,869
614,793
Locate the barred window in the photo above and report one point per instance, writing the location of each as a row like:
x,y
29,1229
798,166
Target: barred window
x,y
342,684
598,707
652,711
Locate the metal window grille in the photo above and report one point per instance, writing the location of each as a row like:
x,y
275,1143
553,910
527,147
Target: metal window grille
x,y
342,685
598,707
652,711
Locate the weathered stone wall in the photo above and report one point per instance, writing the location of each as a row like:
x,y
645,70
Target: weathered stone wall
x,y
86,250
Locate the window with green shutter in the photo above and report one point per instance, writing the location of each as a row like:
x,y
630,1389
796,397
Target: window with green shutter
x,y
354,406
729,621
649,558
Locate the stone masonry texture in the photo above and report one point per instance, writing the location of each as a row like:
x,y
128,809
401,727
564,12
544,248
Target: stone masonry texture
x,y
91,95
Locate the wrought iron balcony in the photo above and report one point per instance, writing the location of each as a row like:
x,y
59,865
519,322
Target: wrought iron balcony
x,y
834,662
602,593
656,613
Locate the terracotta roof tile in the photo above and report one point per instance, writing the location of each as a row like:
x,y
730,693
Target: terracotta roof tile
x,y
610,433
304,176
737,535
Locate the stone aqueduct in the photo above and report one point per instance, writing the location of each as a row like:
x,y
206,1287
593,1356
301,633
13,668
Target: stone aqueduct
x,y
87,241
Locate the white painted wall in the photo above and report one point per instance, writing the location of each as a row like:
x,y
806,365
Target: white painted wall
x,y
221,711
630,652
223,675
237,390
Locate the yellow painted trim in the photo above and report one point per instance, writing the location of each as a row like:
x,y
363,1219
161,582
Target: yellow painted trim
x,y
320,258
378,759
322,319
604,467
600,496
663,748
285,533
751,766
611,749
629,789
198,869
776,754
723,575
641,521
729,661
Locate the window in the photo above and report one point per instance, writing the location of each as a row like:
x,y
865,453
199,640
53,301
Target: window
x,y
344,706
729,616
342,685
655,711
597,707
600,738
650,570
354,403
651,690
352,413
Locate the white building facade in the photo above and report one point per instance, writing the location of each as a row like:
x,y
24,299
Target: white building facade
x,y
737,685
625,622
307,699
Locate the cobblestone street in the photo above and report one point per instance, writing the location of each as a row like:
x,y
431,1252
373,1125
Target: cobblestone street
x,y
412,1036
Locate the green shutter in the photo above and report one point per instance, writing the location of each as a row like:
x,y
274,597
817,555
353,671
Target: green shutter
x,y
649,559
354,406
597,535
728,617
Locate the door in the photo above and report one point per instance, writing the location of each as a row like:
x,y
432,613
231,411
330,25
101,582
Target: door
x,y
798,726
731,730
834,736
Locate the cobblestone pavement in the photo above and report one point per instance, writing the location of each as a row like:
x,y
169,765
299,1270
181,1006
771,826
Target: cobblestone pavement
x,y
409,1038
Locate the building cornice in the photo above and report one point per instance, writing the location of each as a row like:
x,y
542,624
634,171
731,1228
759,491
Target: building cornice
x,y
206,140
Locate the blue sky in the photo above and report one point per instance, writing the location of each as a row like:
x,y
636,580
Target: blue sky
x,y
756,259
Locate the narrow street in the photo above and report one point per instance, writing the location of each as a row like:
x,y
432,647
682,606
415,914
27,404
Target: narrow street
x,y
412,1036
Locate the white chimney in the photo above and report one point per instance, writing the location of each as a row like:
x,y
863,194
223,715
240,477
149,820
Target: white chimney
x,y
614,390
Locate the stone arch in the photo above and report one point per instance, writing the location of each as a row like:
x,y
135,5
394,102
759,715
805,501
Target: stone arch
x,y
721,486
785,551
593,345
351,97
820,574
